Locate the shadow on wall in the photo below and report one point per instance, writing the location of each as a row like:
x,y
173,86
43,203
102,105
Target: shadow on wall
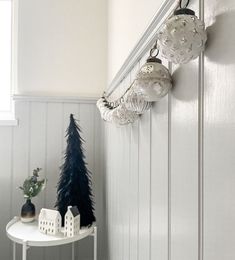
x,y
220,45
160,107
185,73
220,48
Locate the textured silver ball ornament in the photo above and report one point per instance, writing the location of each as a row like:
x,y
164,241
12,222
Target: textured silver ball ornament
x,y
182,38
153,81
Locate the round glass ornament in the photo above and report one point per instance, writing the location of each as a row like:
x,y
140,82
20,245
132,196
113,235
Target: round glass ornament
x,y
122,116
153,81
135,102
182,38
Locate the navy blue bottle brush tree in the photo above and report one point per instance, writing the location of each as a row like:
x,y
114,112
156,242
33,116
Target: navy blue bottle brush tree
x,y
74,186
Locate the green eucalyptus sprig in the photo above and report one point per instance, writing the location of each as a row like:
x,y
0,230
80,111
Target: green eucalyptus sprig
x,y
32,186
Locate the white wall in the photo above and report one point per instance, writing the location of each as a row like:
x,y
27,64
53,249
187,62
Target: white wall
x,y
219,131
127,20
39,141
153,167
62,47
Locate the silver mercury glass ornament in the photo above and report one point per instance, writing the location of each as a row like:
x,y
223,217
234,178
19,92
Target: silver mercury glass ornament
x,y
153,81
182,38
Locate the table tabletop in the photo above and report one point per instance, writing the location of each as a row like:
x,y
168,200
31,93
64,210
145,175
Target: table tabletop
x,y
28,233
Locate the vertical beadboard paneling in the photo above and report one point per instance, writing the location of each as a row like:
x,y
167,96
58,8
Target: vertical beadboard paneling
x,y
5,187
159,180
133,189
111,152
99,183
108,191
86,122
20,155
125,181
144,186
53,150
37,144
134,182
184,163
219,132
37,157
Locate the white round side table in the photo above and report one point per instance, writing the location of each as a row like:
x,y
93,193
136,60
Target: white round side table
x,y
28,235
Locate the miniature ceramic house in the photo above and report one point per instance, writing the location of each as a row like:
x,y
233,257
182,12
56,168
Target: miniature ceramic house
x,y
71,222
49,221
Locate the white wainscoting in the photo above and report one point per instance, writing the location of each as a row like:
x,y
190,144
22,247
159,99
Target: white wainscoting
x,y
170,176
39,141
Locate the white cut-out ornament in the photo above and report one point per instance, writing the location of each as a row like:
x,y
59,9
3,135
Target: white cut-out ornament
x,y
182,38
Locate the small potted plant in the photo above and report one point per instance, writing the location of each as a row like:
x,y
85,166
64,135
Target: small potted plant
x,y
31,188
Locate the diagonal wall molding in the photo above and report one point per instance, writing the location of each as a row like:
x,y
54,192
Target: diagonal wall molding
x,y
55,99
144,44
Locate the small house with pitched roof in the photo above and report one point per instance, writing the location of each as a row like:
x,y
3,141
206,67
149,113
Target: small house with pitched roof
x,y
49,221
72,222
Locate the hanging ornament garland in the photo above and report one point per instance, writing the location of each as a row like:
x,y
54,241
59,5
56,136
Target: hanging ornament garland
x,y
116,112
122,116
152,83
180,39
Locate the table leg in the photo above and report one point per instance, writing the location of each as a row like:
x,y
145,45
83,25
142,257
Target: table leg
x,y
73,251
24,251
14,251
95,243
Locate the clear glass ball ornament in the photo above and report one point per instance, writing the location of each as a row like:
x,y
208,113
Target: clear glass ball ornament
x,y
153,81
122,116
135,102
182,38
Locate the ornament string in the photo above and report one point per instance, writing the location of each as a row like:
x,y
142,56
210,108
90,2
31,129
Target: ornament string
x,y
112,104
153,50
153,53
185,5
